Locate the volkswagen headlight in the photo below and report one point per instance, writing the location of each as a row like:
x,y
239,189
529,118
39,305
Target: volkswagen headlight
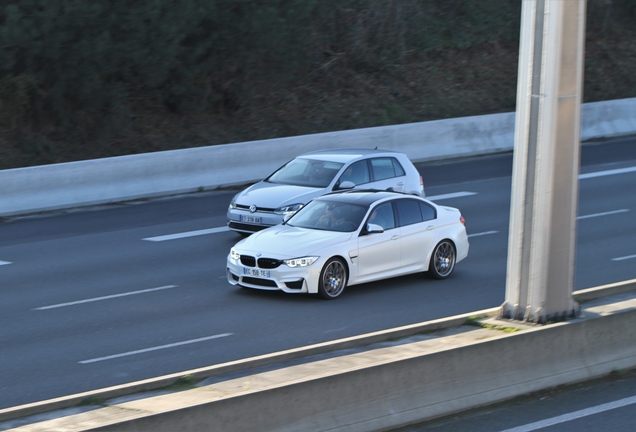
x,y
300,262
289,209
233,202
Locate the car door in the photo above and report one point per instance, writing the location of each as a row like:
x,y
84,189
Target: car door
x,y
417,222
379,253
387,173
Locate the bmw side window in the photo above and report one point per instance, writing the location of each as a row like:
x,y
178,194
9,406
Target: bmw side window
x,y
383,215
408,212
382,168
428,212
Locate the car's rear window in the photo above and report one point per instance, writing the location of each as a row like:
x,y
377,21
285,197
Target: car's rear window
x,y
384,168
408,211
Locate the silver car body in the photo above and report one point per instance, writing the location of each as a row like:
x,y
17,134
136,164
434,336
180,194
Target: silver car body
x,y
267,202
261,261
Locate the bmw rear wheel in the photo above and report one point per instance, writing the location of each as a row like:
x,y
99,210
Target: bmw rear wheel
x,y
443,260
333,279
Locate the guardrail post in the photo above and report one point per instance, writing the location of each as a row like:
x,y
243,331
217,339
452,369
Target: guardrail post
x,y
541,243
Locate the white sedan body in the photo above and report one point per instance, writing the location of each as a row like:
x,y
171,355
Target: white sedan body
x,y
258,260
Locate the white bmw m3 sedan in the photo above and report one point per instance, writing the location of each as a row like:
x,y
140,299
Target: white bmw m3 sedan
x,y
348,238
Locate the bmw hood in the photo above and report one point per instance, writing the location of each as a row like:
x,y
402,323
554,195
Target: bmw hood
x,y
272,195
282,241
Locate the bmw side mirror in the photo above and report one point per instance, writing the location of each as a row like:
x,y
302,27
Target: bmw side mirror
x,y
373,228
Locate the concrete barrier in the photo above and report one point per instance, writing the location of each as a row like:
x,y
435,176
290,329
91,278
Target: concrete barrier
x,y
608,119
101,181
245,364
427,375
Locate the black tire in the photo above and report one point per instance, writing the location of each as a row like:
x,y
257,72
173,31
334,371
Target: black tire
x,y
333,279
442,260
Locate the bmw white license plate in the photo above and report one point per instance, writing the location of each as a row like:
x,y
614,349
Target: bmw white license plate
x,y
255,272
251,219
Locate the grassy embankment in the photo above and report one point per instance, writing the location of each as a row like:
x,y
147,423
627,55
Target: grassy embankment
x,y
81,80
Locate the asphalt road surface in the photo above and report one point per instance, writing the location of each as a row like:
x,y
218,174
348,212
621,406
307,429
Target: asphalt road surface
x,y
113,294
607,403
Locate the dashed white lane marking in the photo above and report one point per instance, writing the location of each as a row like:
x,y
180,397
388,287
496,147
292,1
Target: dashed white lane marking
x,y
607,173
482,233
5,262
573,415
129,353
603,214
450,195
624,258
106,297
187,234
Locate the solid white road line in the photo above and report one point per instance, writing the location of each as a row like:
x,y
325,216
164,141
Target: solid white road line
x,y
187,234
129,353
574,415
606,173
106,297
5,262
450,195
482,233
624,258
603,214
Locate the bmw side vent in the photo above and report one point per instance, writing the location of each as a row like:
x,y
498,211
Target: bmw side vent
x,y
295,284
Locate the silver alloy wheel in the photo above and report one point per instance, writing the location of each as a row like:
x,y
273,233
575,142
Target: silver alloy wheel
x,y
443,260
333,279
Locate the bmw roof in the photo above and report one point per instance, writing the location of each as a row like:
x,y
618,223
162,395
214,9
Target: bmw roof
x,y
364,197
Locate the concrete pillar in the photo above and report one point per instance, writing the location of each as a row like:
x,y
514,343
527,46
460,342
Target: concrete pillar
x,y
541,243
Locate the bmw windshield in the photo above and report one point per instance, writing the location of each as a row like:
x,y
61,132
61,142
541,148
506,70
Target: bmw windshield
x,y
329,216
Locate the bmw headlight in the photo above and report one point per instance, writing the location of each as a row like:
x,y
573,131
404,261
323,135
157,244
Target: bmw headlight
x,y
234,254
300,262
289,209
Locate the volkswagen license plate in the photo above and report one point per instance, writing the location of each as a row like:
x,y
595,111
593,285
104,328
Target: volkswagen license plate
x,y
255,272
251,219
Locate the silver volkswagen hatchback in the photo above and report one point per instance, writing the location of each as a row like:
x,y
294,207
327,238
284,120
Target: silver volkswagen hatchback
x,y
300,180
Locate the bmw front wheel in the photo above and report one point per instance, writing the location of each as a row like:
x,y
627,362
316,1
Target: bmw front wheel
x,y
333,279
443,260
